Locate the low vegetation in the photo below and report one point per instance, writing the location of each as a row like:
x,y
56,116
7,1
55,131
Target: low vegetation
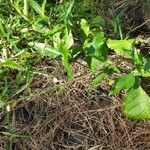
x,y
72,33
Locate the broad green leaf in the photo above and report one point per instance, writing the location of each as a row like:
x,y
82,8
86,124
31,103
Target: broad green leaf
x,y
96,50
89,51
56,39
142,64
65,45
99,44
97,80
85,27
65,60
68,38
126,81
136,104
122,47
107,70
92,63
45,50
145,70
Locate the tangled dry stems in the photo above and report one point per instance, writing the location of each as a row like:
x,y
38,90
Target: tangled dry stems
x,y
71,118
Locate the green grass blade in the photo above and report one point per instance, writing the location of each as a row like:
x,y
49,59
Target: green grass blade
x,y
38,9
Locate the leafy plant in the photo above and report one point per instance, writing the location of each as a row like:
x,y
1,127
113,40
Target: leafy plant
x,y
135,106
52,34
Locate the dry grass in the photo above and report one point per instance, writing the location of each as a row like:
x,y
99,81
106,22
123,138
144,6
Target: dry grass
x,y
57,114
64,115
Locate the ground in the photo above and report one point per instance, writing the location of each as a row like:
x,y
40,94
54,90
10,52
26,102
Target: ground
x,y
53,112
60,114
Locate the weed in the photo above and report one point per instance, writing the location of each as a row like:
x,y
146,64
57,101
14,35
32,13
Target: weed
x,y
30,30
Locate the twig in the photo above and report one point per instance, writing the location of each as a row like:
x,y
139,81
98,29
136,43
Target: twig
x,y
140,25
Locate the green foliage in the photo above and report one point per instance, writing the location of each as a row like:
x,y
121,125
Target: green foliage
x,y
11,64
94,45
45,50
136,104
64,47
122,47
97,79
85,27
38,9
136,101
124,82
51,32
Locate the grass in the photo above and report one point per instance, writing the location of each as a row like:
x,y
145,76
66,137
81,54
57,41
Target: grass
x,y
38,102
